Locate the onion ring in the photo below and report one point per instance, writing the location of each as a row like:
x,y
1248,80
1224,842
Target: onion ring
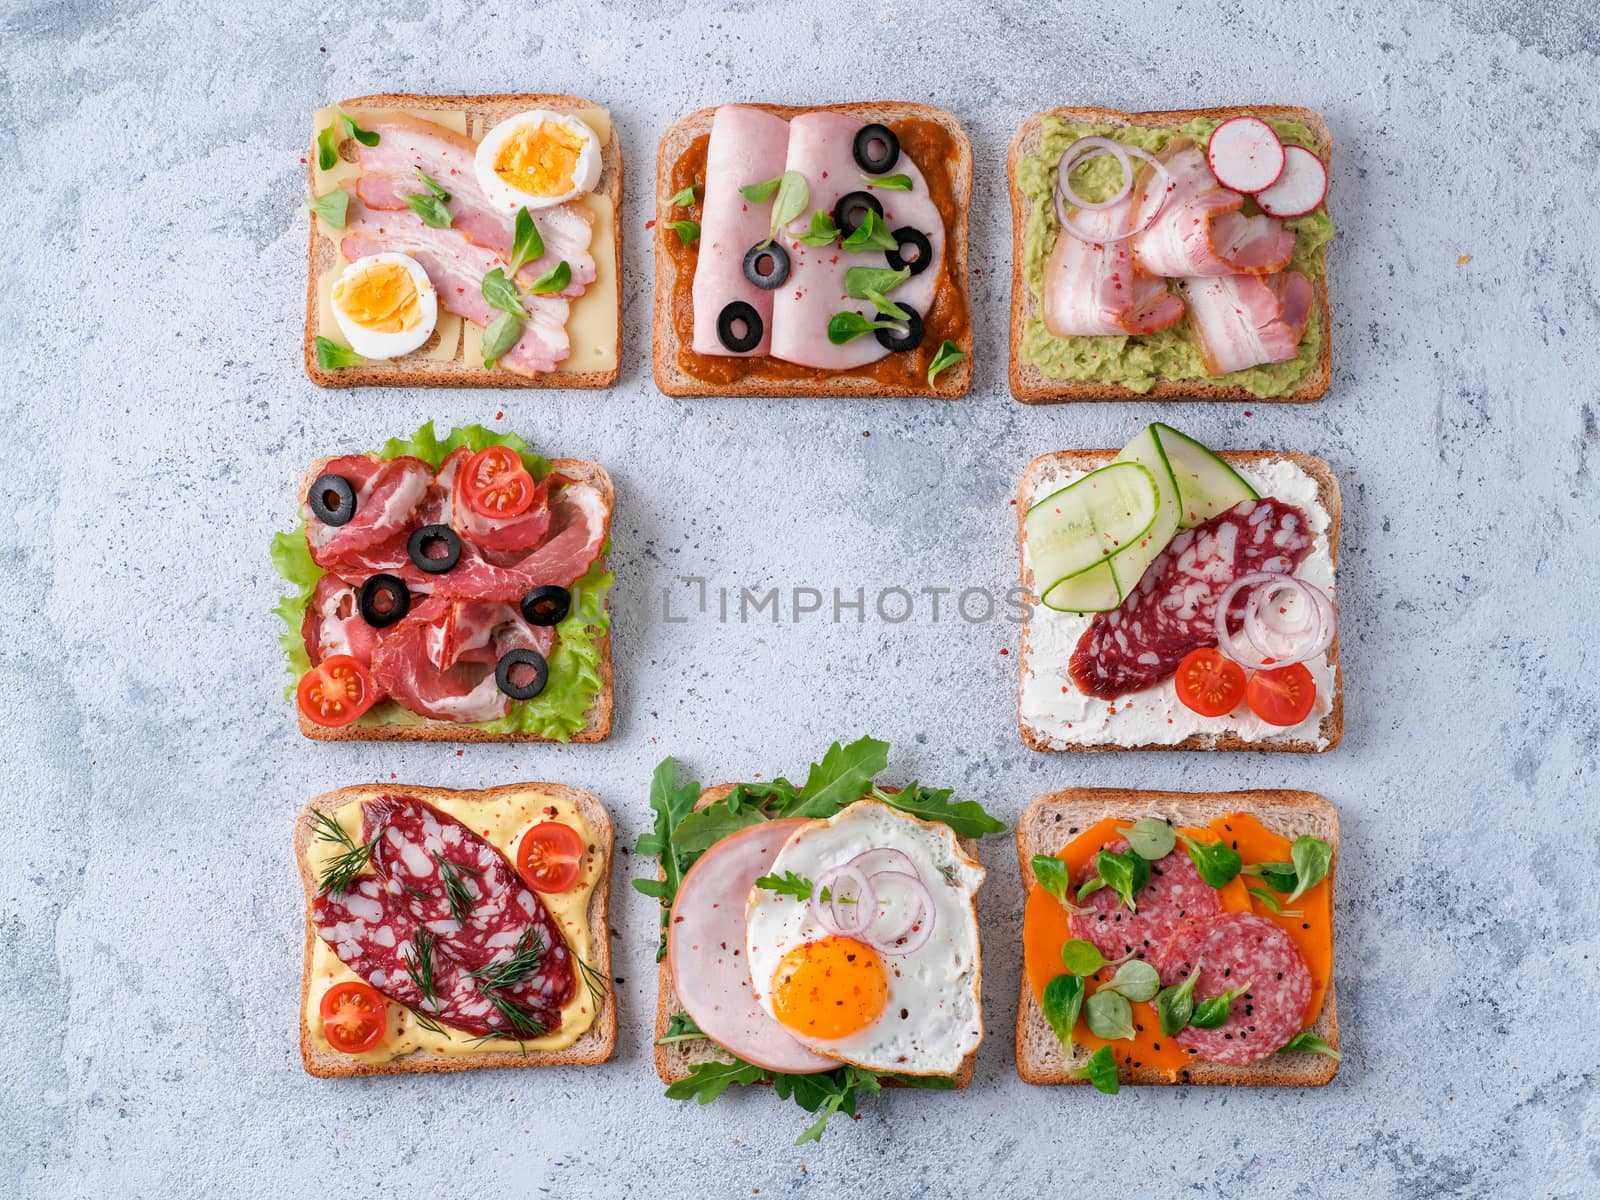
x,y
887,942
1069,160
1256,644
827,912
1092,147
900,858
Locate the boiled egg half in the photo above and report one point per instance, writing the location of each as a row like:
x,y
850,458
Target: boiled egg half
x,y
537,159
385,305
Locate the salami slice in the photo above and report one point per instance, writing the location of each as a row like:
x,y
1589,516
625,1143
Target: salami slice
x,y
1175,894
1173,610
1233,949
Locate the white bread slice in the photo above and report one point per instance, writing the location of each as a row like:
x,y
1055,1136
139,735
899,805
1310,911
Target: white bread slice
x,y
675,1060
1054,819
458,372
1328,495
672,327
598,1042
596,729
1031,386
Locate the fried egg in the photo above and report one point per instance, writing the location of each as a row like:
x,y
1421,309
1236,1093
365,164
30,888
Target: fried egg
x,y
855,995
385,305
537,159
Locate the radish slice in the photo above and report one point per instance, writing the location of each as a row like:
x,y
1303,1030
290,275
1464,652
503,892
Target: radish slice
x,y
1245,155
1300,189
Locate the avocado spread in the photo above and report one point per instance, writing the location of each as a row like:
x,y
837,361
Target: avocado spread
x,y
1137,362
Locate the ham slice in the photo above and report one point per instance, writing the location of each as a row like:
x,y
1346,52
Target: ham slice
x,y
1095,289
820,148
1243,321
407,144
1201,230
457,268
747,146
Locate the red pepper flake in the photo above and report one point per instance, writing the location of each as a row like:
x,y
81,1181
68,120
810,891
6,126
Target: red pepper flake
x,y
1248,413
302,160
500,416
650,224
824,174
1004,651
459,753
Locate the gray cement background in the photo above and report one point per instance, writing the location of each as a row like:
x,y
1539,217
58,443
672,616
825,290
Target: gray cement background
x,y
150,325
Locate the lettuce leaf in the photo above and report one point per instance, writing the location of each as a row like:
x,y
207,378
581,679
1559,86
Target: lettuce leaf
x,y
558,712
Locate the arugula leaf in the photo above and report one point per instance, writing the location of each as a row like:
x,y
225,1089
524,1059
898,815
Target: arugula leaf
x,y
760,193
871,234
793,194
842,777
889,183
789,884
333,207
684,198
1063,998
502,294
681,1028
554,280
861,282
328,147
526,244
822,231
502,334
947,356
1312,857
708,1080
671,804
432,185
430,209
1101,1071
1306,1042
966,817
331,356
687,231
699,831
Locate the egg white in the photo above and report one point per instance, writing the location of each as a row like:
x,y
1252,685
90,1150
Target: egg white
x,y
372,343
936,987
585,172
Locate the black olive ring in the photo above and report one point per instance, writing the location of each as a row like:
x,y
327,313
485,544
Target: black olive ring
x,y
851,210
883,162
892,339
776,274
907,236
731,315
546,605
512,659
417,548
342,505
375,590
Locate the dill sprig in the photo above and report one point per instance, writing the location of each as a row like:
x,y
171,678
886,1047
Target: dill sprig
x,y
419,965
519,1021
455,887
343,868
508,972
427,1022
597,982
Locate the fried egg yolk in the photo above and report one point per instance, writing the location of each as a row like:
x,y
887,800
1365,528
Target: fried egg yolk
x,y
829,988
380,296
541,160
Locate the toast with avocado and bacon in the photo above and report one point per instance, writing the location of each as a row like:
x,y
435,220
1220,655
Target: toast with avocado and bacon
x,y
813,252
1178,937
1170,255
464,241
454,930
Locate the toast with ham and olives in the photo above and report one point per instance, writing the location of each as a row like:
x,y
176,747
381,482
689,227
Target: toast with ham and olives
x,y
813,252
1156,311
1101,673
435,263
493,951
1162,901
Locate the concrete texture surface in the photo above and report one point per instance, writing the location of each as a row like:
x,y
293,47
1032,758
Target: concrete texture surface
x,y
150,336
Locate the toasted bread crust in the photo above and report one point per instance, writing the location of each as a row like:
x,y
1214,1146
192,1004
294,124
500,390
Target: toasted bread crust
x,y
457,372
1328,494
952,383
598,1042
596,729
1042,830
675,1060
1031,386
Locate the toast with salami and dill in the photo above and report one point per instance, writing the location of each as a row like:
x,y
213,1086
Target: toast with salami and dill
x,y
508,814
1047,368
1056,824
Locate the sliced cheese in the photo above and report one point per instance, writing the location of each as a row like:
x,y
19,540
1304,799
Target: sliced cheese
x,y
592,324
501,823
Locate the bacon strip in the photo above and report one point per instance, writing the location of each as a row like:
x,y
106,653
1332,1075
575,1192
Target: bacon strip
x,y
457,268
1095,288
1241,321
1201,230
407,144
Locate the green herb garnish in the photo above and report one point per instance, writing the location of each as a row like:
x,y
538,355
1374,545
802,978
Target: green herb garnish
x,y
519,1021
328,146
871,234
419,965
433,186
822,232
430,209
456,892
760,193
1109,1015
1062,1001
889,183
333,207
684,198
861,282
847,326
554,280
789,884
1056,878
1135,979
1084,958
598,983
1124,873
1271,901
1210,1013
681,1028
947,355
1100,1070
502,293
365,136
793,193
1218,864
526,243
687,231
331,356
1175,1004
342,869
1312,858
1306,1042
507,972
1151,838
503,333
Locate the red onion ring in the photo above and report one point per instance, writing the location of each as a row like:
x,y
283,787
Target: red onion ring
x,y
865,902
1063,193
827,913
888,943
902,861
1256,644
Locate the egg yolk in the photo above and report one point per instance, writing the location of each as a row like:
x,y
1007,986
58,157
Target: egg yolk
x,y
829,988
540,160
381,297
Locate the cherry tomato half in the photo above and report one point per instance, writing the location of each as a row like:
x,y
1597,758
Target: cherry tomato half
x,y
1283,696
336,691
1209,682
550,857
354,1017
496,484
